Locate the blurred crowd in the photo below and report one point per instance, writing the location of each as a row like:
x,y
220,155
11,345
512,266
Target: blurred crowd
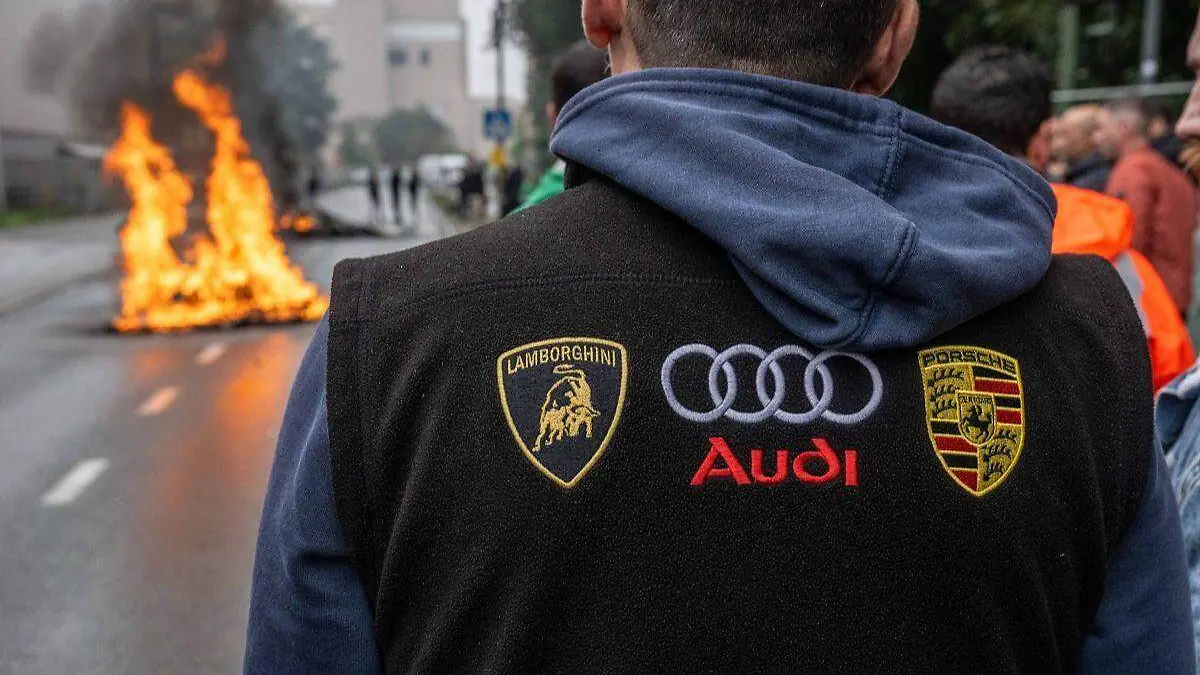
x,y
1128,150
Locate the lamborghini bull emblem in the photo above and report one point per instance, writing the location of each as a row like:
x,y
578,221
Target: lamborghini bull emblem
x,y
975,414
562,400
568,408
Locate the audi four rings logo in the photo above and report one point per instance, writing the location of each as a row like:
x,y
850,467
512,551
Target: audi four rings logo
x,y
723,385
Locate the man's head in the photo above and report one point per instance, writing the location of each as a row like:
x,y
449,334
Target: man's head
x,y
1075,132
1123,130
1159,121
579,68
1001,95
1188,126
851,44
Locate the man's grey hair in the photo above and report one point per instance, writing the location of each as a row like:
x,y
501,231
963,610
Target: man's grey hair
x,y
1131,111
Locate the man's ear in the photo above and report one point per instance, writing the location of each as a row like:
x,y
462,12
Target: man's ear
x,y
882,69
603,20
551,113
604,23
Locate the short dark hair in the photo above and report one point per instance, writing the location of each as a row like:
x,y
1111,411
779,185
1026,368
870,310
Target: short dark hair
x,y
1157,109
825,43
579,68
1000,94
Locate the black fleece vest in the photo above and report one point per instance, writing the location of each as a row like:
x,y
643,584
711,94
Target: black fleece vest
x,y
573,442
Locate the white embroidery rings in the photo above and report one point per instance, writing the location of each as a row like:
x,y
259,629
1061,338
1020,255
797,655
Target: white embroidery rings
x,y
772,399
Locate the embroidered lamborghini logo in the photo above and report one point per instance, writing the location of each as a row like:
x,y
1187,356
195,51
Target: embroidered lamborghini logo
x,y
568,409
562,399
975,412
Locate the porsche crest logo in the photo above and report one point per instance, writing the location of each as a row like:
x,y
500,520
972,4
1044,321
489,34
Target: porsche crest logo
x,y
562,399
975,413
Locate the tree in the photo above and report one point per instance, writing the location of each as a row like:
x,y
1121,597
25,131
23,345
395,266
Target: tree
x,y
404,135
1109,56
296,104
546,29
352,150
1109,53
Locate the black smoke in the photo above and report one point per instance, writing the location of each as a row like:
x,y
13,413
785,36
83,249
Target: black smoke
x,y
147,42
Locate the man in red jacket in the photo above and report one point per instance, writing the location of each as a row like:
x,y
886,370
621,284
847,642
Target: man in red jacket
x,y
1162,198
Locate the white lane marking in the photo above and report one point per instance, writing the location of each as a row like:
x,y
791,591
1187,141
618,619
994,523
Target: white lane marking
x,y
211,353
158,402
70,486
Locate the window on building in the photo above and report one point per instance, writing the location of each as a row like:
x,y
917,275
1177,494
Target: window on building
x,y
397,56
425,57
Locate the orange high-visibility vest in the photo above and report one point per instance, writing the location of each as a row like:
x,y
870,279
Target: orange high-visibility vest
x,y
1089,222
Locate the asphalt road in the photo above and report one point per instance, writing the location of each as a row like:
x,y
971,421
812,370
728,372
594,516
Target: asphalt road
x,y
132,471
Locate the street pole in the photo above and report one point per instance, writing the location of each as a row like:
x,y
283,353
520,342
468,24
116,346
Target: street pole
x,y
3,185
501,160
1068,44
501,20
1152,17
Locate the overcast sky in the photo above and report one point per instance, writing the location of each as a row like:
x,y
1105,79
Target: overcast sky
x,y
481,58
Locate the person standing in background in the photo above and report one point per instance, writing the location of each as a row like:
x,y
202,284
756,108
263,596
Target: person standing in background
x,y
397,188
1161,196
373,193
313,188
1160,128
414,187
514,180
470,187
1074,143
579,68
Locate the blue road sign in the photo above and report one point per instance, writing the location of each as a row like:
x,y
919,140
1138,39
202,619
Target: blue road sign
x,y
497,124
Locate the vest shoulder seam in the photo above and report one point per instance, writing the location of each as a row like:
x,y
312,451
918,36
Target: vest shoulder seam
x,y
495,285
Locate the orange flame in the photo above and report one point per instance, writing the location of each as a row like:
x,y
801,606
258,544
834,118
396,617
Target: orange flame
x,y
242,271
297,223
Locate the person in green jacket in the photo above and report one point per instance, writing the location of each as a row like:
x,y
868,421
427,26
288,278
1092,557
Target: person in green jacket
x,y
579,68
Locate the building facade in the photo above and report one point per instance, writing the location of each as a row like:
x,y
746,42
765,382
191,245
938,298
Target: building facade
x,y
399,54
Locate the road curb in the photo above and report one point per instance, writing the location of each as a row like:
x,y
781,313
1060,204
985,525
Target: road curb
x,y
51,289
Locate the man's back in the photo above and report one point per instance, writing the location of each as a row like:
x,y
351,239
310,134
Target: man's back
x,y
890,506
600,436
1164,205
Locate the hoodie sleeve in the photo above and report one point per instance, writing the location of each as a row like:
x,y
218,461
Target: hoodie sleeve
x,y
1144,624
308,610
1178,420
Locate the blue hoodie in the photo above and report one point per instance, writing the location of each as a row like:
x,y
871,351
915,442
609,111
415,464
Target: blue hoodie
x,y
856,223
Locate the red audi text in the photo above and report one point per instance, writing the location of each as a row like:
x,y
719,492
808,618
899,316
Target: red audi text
x,y
818,466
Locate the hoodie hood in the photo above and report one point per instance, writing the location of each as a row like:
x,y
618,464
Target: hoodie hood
x,y
856,223
1092,223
